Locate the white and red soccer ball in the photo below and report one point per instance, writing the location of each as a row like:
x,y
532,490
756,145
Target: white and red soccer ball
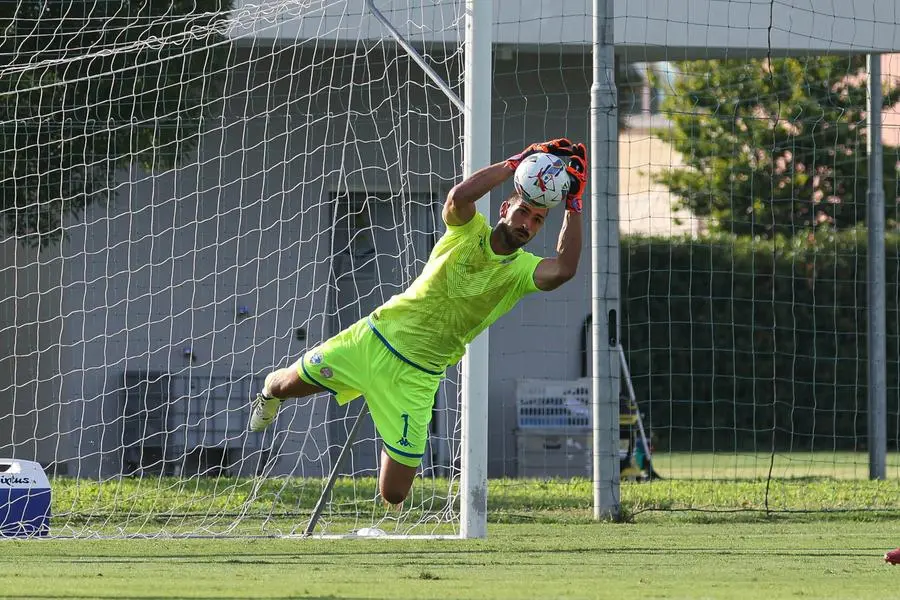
x,y
541,179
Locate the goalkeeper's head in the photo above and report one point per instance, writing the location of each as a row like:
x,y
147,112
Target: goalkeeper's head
x,y
519,222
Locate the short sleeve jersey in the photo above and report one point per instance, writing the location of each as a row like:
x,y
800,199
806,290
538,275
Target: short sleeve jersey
x,y
463,288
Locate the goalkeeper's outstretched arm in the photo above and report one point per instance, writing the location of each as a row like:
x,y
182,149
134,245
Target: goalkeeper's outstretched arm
x,y
553,272
460,205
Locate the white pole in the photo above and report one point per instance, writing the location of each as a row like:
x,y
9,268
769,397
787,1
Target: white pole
x,y
604,206
476,154
877,319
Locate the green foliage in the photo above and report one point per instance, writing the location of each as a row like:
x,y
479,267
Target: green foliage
x,y
743,345
87,88
774,147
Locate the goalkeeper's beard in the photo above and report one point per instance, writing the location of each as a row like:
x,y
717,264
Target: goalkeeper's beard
x,y
509,239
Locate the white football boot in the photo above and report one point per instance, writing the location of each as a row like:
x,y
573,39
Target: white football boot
x,y
263,410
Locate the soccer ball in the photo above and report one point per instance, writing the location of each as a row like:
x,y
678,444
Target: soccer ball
x,y
541,179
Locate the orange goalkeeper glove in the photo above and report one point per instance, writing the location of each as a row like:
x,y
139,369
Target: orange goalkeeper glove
x,y
578,174
558,147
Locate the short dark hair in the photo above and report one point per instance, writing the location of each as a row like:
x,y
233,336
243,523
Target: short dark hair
x,y
514,196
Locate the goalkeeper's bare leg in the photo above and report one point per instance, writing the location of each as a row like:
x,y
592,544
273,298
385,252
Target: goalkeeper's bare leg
x,y
394,480
278,387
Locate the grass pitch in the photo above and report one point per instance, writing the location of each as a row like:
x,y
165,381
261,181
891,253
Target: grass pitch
x,y
767,559
716,528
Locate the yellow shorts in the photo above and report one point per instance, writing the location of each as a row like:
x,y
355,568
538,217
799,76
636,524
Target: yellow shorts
x,y
358,362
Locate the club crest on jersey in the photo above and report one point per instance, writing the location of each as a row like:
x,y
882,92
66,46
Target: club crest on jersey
x,y
326,373
316,359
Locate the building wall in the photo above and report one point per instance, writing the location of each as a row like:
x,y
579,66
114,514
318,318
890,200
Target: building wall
x,y
642,30
153,281
890,120
30,359
537,97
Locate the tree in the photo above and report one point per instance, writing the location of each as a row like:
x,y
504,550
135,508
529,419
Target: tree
x,y
773,147
87,88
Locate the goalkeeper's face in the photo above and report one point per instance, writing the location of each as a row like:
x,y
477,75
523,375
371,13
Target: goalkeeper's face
x,y
519,222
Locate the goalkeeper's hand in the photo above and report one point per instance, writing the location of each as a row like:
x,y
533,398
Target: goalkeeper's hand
x,y
578,175
558,147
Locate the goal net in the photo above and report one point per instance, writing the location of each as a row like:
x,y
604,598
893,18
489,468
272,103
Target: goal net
x,y
195,197
745,212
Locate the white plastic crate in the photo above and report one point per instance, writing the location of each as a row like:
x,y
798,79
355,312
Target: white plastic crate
x,y
553,453
553,403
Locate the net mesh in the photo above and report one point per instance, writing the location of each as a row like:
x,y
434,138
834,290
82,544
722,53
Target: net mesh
x,y
260,179
744,206
194,196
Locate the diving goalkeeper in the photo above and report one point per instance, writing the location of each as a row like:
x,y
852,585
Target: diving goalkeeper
x,y
397,355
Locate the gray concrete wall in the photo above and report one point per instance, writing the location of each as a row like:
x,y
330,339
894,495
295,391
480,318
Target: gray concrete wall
x,y
642,29
537,97
30,352
246,222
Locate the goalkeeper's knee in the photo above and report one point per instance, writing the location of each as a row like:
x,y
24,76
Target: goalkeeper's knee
x,y
393,496
278,383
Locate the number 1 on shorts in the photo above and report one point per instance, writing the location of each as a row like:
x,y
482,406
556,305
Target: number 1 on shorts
x,y
403,441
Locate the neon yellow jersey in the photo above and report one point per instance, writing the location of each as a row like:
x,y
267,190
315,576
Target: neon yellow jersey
x,y
463,288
